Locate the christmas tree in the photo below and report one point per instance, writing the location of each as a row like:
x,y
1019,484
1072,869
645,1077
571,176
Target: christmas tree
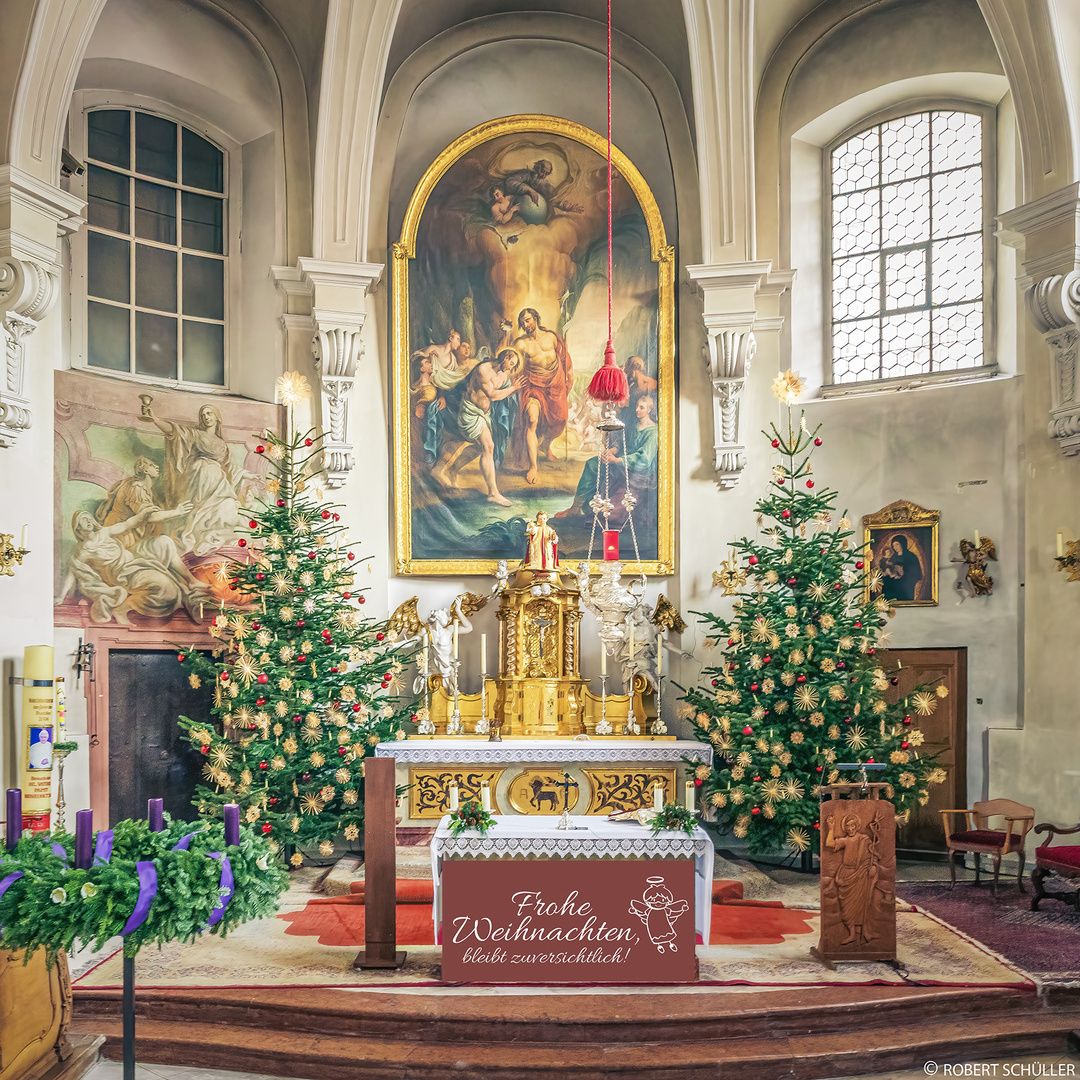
x,y
799,688
303,683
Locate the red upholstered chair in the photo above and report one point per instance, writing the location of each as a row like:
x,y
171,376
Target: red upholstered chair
x,y
1062,860
978,838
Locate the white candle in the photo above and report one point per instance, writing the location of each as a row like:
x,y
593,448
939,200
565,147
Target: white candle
x,y
977,538
453,797
603,658
485,797
689,801
22,542
455,640
1060,542
658,796
483,654
659,656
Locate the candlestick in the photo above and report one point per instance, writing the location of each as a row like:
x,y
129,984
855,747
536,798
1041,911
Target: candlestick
x,y
453,797
689,795
483,654
231,814
155,809
14,817
485,797
658,796
84,838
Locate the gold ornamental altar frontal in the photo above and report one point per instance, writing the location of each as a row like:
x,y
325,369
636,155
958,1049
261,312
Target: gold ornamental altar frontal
x,y
524,776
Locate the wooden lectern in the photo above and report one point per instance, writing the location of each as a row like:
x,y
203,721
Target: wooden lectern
x,y
858,875
380,867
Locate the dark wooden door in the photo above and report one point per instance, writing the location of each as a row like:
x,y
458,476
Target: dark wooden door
x,y
945,733
149,757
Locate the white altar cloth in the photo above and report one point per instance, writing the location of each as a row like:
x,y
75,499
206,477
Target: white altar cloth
x,y
479,751
594,838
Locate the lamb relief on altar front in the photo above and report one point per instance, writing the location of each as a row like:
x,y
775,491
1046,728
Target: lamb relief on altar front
x,y
150,485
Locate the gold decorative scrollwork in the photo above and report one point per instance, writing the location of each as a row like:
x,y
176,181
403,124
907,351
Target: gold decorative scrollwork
x,y
429,789
614,790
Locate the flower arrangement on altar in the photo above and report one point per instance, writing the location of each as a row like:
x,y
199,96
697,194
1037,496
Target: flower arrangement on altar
x,y
169,885
672,817
470,815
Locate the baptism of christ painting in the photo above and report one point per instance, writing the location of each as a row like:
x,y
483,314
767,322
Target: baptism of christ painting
x,y
500,320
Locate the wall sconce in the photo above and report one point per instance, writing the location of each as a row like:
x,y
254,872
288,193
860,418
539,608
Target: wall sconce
x,y
84,661
1068,556
10,555
974,556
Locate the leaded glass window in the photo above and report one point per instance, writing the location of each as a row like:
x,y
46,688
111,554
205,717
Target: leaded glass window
x,y
908,243
156,259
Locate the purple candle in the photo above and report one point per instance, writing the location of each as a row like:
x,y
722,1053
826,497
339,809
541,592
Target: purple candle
x,y
14,816
155,808
231,813
84,838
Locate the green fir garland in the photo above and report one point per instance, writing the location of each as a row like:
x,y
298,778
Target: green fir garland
x,y
470,815
672,817
53,905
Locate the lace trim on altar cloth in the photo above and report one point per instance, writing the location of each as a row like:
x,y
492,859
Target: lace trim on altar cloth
x,y
588,847
446,753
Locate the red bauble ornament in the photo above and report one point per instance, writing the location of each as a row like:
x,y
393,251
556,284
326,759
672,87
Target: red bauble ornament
x,y
253,524
413,718
754,688
871,652
817,824
905,745
791,581
333,671
748,730
780,481
870,761
307,442
716,682
752,560
205,748
326,515
801,678
337,517
256,626
859,565
296,719
817,442
756,810
352,555
260,701
263,677
264,765
775,443
241,542
311,554
786,514
301,658
895,681
272,800
809,483
260,449
379,636
181,657
224,676
357,707
907,719
281,502
260,576
306,777
698,783
841,664
267,826
360,600
756,779
858,626
818,769
766,659
348,596
300,623
341,751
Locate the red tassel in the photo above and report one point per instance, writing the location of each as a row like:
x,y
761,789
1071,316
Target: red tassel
x,y
609,383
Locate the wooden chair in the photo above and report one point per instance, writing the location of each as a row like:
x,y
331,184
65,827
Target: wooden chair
x,y
1063,860
980,839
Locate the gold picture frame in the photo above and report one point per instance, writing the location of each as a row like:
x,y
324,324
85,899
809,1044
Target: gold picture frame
x,y
459,212
901,545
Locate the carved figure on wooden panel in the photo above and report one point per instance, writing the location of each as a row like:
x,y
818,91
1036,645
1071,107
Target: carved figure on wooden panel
x,y
857,877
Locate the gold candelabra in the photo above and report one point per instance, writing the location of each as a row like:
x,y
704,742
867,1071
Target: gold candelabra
x,y
1068,557
10,555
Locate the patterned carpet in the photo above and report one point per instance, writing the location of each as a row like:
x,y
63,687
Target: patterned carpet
x,y
1045,943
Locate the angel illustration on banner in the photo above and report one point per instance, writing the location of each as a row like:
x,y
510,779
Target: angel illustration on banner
x,y
658,910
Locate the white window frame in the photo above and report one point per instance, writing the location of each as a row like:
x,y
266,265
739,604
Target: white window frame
x,y
989,366
86,101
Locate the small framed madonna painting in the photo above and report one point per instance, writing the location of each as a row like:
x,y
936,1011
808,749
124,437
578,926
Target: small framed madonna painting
x,y
902,554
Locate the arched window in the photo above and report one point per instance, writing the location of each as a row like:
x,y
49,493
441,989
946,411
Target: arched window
x,y
912,255
156,258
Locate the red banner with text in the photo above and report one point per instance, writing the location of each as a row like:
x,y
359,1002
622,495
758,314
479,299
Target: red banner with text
x,y
568,921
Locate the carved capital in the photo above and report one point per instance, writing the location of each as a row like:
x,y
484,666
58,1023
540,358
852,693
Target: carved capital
x,y
27,290
731,293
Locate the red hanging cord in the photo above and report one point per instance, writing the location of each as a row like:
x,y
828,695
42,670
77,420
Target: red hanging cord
x,y
609,383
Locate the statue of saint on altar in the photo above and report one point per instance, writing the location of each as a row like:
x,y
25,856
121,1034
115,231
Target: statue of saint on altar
x,y
542,545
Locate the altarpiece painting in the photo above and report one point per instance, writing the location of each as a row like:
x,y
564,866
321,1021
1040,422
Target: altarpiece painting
x,y
500,319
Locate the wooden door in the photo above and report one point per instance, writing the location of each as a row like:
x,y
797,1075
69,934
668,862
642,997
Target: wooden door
x,y
945,734
149,757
